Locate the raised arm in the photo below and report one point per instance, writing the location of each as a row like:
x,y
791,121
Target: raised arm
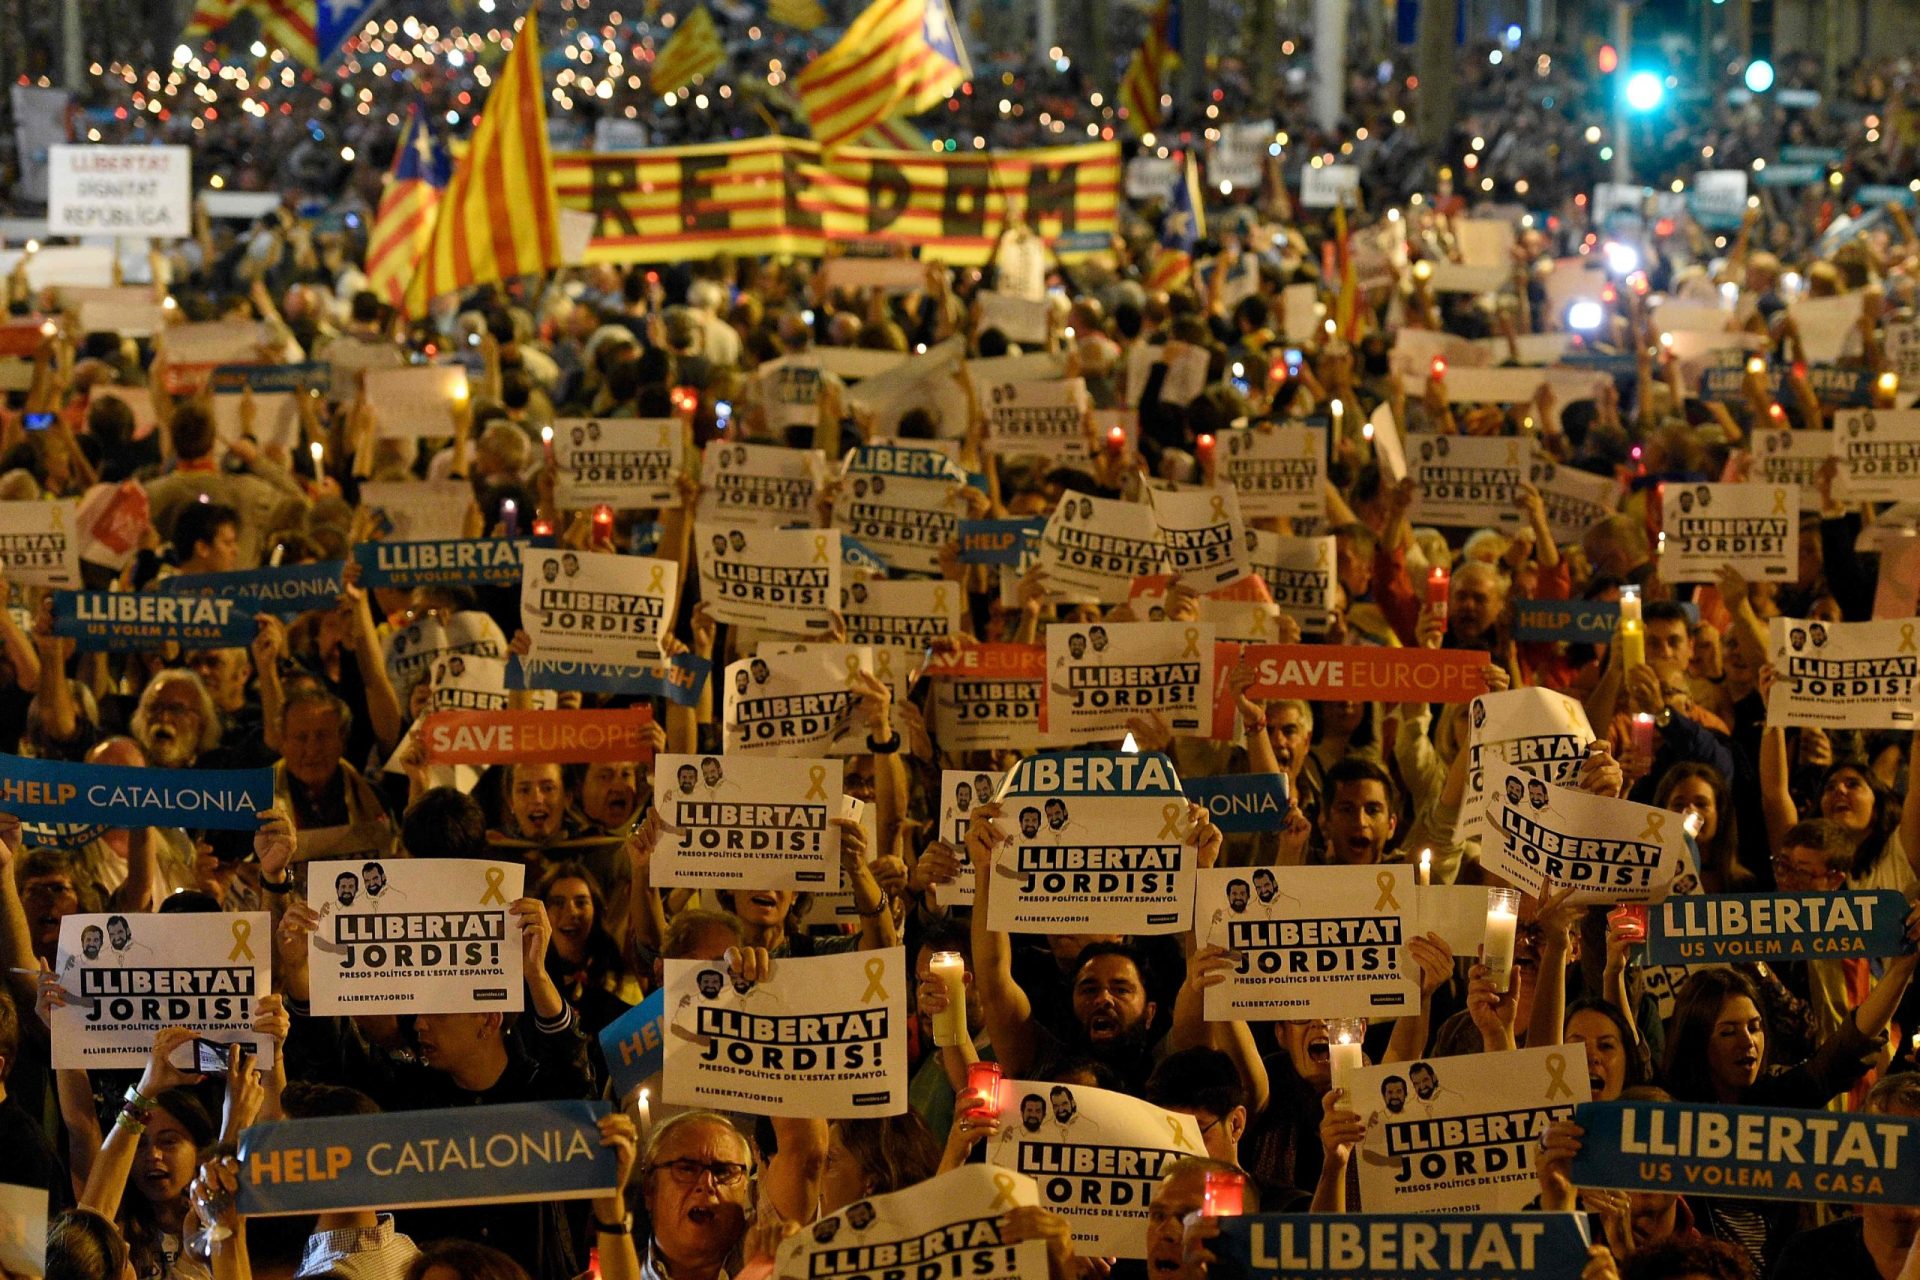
x,y
1008,1012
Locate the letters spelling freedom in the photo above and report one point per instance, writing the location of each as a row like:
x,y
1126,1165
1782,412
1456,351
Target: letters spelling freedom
x,y
782,196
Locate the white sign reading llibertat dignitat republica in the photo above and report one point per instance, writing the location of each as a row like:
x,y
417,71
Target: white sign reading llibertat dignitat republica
x,y
781,580
1097,1156
747,822
945,1227
1095,842
1753,527
629,464
1843,675
127,976
822,1036
1460,1134
593,606
764,485
793,704
1540,732
1101,675
412,935
1311,942
1093,548
1547,838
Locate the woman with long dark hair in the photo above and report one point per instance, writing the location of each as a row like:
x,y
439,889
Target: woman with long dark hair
x,y
1701,790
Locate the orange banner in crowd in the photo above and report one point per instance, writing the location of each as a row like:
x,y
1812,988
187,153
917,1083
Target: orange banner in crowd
x,y
537,737
1363,673
989,662
784,196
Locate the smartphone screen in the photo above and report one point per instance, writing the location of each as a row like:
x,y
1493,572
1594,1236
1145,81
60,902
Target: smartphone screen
x,y
39,421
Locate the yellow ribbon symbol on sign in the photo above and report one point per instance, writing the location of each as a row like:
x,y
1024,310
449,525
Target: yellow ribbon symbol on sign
x,y
1906,637
1655,821
242,930
820,548
657,580
1002,1192
1259,627
876,970
853,665
1216,509
940,600
1320,558
1193,643
1557,1077
56,520
816,780
883,663
1779,502
495,878
1388,882
1169,821
1513,455
1179,1132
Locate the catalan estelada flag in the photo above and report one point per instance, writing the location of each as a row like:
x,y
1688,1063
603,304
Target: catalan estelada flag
x,y
898,58
1181,229
694,50
403,225
1150,67
498,217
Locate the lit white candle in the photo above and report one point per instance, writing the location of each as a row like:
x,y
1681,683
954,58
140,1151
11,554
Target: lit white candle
x,y
1344,1052
1503,919
1425,874
646,1115
1339,411
950,1024
318,452
1630,604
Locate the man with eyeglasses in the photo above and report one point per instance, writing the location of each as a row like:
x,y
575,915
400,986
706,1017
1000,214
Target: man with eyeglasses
x,y
697,1182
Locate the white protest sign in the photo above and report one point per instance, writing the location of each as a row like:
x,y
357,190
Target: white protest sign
x,y
1022,320
1299,312
1239,613
1037,417
989,698
1538,731
469,682
1095,842
1843,675
23,1230
905,520
1186,375
1462,1133
629,464
1311,942
1574,499
1279,471
788,389
39,543
127,976
1388,449
1096,547
415,401
250,205
1299,573
1902,342
822,1036
782,580
275,417
594,606
930,382
1458,277
419,511
1753,527
415,935
120,191
961,791
1467,481
1825,326
1493,386
1100,675
1239,158
1879,453
758,484
1203,533
1322,186
1720,197
1035,366
747,823
208,343
795,704
1151,177
889,275
1793,458
903,611
1548,838
946,1226
1097,1155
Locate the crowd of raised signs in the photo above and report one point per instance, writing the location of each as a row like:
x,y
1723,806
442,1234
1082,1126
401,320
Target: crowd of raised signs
x,y
1277,763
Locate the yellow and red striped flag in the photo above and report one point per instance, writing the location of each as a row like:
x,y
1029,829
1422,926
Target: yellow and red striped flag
x,y
694,50
499,217
1152,64
403,225
802,14
208,17
895,134
898,58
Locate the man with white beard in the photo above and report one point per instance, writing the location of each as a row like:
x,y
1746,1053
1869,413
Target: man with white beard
x,y
176,722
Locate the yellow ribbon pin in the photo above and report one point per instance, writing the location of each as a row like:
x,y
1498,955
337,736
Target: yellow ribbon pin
x,y
242,930
1193,643
1557,1077
876,970
1169,821
816,782
820,548
1779,502
496,877
657,580
1655,821
1388,882
1002,1192
1179,1132
1217,509
1906,637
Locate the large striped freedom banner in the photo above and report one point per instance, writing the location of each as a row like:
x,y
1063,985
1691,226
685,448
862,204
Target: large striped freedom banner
x,y
784,196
